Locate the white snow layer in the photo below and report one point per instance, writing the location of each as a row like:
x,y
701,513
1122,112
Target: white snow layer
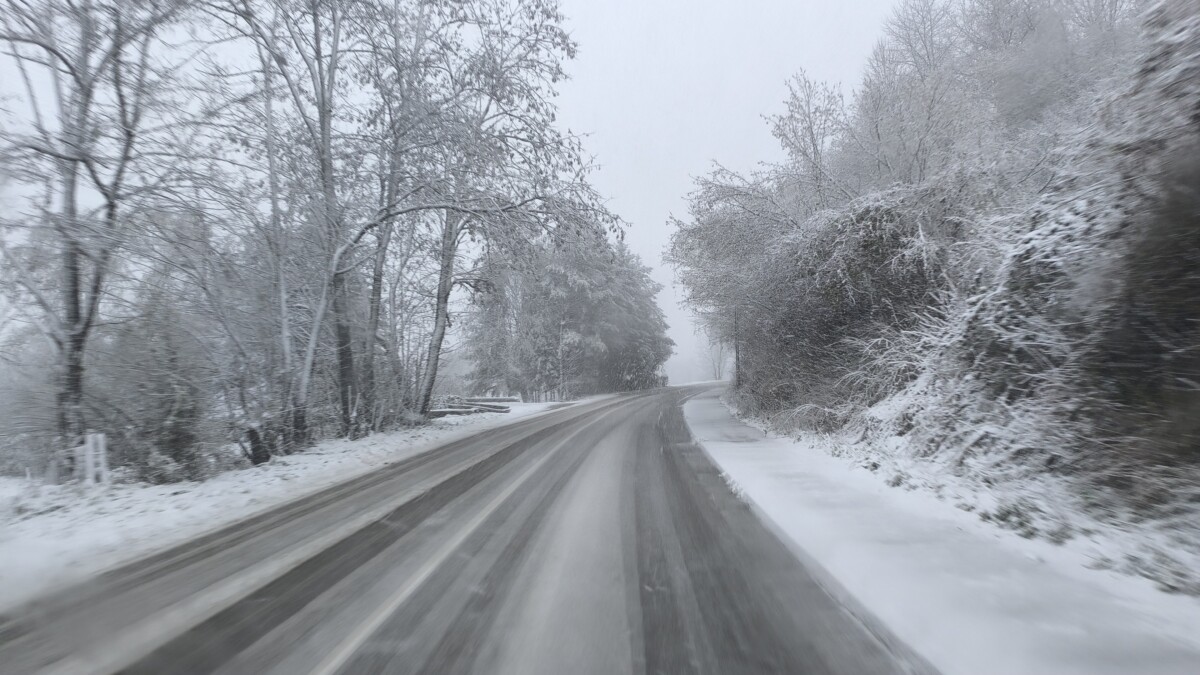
x,y
969,597
56,535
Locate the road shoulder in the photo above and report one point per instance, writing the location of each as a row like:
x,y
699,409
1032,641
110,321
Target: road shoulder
x,y
52,537
967,599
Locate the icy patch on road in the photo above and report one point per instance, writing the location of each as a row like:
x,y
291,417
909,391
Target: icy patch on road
x,y
969,597
56,535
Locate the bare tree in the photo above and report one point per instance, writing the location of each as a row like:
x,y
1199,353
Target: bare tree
x,y
717,359
89,77
814,121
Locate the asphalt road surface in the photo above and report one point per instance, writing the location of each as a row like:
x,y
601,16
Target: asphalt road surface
x,y
594,539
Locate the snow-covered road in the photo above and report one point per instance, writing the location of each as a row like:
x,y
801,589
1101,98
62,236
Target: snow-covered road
x,y
596,539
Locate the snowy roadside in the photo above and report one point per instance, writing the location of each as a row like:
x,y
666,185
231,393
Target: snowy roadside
x,y
56,535
964,594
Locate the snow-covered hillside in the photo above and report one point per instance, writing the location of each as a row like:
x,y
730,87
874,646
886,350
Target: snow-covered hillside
x,y
980,268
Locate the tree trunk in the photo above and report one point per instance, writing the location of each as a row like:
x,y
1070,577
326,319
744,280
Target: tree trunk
x,y
300,407
72,425
70,387
737,351
562,375
286,377
442,307
70,394
259,454
325,71
300,422
368,366
345,355
278,244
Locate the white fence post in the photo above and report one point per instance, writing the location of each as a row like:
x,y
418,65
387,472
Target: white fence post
x,y
102,464
91,459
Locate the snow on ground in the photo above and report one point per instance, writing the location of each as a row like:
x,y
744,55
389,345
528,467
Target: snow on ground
x,y
968,596
56,535
1158,538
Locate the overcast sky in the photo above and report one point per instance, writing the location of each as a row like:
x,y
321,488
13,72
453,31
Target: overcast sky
x,y
665,87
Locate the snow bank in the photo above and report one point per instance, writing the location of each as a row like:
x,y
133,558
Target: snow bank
x,y
969,597
56,535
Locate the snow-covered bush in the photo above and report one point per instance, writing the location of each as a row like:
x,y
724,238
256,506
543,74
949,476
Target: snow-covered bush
x,y
1096,302
158,468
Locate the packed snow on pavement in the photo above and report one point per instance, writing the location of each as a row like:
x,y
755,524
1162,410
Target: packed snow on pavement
x,y
968,596
56,535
